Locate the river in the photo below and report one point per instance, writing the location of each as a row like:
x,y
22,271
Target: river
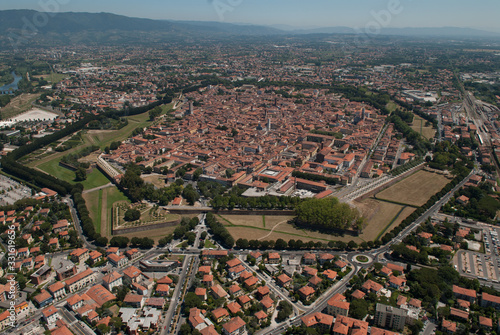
x,y
10,88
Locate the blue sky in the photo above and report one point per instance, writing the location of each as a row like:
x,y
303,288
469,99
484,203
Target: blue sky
x,y
481,14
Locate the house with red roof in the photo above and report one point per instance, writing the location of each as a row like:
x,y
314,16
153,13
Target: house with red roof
x,y
322,322
235,326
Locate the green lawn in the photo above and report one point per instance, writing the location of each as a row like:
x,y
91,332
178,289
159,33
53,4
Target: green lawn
x,y
115,195
391,106
93,200
95,179
54,78
54,169
209,244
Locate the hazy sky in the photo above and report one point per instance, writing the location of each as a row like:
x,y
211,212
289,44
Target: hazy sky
x,y
482,14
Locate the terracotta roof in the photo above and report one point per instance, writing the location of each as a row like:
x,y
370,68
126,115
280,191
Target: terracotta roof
x,y
358,294
234,324
79,276
220,312
48,311
307,290
485,322
464,291
234,307
100,294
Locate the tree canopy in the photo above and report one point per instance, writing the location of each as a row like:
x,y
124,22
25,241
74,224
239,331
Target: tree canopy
x,y
329,214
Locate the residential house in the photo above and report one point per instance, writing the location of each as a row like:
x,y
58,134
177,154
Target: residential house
x,y
117,261
50,315
58,290
81,280
80,255
112,280
220,315
337,305
320,321
284,281
235,326
307,293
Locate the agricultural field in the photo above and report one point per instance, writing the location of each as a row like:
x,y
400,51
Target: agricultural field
x,y
419,126
416,189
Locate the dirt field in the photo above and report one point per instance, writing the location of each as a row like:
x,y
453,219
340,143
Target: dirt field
x,y
18,105
378,215
416,189
419,126
156,180
251,228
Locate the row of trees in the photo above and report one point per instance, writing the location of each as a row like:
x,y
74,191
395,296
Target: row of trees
x,y
292,244
264,202
420,144
405,167
219,232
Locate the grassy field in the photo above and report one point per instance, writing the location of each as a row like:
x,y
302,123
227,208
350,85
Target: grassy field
x,y
209,244
378,215
94,205
53,168
100,204
243,220
18,105
391,106
416,189
94,179
419,126
251,227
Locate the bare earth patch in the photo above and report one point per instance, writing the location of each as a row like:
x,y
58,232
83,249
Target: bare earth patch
x,y
378,215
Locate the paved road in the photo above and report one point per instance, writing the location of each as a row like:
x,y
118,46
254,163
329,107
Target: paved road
x,y
174,302
98,188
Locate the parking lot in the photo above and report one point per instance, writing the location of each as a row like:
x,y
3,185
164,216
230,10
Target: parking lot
x,y
12,191
482,266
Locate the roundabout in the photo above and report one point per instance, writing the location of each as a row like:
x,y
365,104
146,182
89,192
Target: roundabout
x,y
362,259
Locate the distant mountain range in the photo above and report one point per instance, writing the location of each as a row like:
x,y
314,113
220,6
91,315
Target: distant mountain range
x,y
20,26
